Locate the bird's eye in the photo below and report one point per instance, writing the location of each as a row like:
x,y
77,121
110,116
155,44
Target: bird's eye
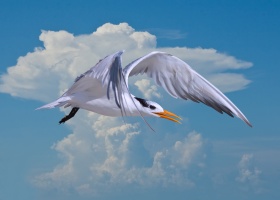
x,y
152,107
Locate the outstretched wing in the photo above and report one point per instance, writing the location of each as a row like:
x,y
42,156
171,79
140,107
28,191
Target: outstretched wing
x,y
105,78
181,81
96,82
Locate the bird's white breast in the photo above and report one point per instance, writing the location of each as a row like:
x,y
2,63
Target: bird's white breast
x,y
103,105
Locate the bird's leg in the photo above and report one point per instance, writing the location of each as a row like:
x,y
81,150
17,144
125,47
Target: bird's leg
x,y
71,114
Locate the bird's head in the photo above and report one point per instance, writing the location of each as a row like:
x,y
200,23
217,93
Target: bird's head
x,y
154,109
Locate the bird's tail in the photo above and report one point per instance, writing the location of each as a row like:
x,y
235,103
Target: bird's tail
x,y
58,103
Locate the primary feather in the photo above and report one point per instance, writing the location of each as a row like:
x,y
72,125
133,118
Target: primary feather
x,y
181,81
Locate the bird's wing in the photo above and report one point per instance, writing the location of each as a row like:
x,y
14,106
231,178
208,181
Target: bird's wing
x,y
95,82
105,78
181,81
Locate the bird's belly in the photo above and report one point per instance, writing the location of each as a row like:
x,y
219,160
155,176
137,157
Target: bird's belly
x,y
103,106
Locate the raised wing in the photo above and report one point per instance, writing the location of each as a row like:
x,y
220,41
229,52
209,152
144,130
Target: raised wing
x,y
103,78
106,78
181,81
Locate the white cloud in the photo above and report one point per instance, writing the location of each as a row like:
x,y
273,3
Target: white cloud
x,y
249,175
148,90
229,82
117,156
47,71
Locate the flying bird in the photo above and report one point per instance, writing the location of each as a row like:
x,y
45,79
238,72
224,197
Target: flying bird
x,y
104,88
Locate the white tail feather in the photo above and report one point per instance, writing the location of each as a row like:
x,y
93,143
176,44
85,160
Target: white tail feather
x,y
58,103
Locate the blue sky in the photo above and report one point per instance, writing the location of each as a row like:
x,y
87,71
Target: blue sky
x,y
93,157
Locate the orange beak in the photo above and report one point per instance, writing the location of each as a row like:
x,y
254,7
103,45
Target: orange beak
x,y
169,115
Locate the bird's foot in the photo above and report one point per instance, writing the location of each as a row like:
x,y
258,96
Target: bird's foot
x,y
71,114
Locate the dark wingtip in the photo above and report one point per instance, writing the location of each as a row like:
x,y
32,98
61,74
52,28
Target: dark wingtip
x,y
249,124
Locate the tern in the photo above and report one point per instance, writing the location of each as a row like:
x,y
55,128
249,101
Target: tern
x,y
103,89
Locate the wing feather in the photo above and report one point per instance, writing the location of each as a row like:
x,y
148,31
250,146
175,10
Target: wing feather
x,y
109,72
105,78
181,81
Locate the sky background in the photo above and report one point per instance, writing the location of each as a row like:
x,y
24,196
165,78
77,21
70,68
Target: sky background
x,y
45,45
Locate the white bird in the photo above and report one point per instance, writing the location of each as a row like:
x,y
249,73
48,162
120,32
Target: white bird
x,y
104,89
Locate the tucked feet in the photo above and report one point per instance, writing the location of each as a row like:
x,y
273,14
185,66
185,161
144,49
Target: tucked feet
x,y
71,114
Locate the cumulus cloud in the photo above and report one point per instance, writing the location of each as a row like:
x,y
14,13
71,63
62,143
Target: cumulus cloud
x,y
147,89
249,175
47,71
103,151
117,156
